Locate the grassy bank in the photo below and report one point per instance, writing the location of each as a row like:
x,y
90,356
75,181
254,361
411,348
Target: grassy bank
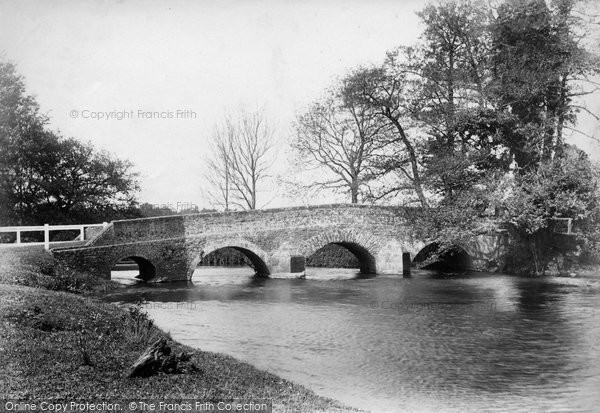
x,y
61,345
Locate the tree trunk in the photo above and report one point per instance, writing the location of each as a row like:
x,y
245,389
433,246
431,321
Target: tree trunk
x,y
158,359
151,359
354,190
413,160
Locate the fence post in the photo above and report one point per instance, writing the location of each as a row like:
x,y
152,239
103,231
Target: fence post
x,y
18,236
46,237
104,224
82,233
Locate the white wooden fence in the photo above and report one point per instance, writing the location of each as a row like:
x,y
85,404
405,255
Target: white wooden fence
x,y
46,229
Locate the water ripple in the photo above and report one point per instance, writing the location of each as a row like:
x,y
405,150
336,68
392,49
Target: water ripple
x,y
472,343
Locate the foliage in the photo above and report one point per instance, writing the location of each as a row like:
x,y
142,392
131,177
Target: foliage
x,y
564,188
479,109
451,74
226,257
147,210
34,267
47,178
332,256
65,280
455,221
539,69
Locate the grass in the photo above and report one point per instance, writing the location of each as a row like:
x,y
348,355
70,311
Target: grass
x,y
64,346
33,266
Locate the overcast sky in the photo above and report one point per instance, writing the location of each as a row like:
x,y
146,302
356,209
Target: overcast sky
x,y
202,56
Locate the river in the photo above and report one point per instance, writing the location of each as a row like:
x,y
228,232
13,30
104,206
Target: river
x,y
434,342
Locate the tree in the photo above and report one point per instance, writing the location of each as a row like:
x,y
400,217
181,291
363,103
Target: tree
x,y
20,123
489,97
451,76
241,157
50,179
64,180
79,182
539,66
384,90
158,210
566,188
343,137
220,166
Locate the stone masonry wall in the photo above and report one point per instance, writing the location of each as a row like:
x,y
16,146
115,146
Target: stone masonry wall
x,y
377,235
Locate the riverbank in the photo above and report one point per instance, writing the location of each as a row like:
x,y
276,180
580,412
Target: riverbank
x,y
63,346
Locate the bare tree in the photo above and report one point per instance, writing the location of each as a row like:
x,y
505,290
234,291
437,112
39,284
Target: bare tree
x,y
339,136
242,154
219,165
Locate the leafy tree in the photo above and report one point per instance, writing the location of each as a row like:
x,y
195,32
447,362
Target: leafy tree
x,y
564,188
450,68
157,210
50,179
539,68
493,98
435,97
79,182
21,125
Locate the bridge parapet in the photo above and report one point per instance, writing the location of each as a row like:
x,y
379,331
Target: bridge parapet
x,y
106,236
177,226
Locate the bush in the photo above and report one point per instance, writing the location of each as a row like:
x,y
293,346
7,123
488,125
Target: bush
x,y
7,238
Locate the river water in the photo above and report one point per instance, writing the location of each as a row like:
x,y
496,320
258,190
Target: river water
x,y
463,342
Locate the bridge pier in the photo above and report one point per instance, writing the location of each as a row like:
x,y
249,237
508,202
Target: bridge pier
x,y
406,264
297,264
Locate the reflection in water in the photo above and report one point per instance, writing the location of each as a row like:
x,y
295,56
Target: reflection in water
x,y
479,342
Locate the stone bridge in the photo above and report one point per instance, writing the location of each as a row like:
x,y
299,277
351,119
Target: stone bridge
x,y
276,241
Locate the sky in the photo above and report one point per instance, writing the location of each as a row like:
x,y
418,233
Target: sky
x,y
195,61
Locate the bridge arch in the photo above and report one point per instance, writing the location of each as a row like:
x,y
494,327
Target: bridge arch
x,y
146,267
361,245
454,258
258,258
